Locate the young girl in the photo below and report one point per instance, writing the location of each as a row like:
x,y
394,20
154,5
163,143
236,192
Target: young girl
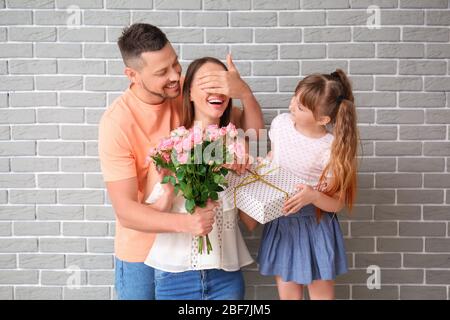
x,y
306,246
181,272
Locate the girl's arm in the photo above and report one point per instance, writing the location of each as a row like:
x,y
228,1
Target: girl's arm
x,y
308,195
249,222
328,203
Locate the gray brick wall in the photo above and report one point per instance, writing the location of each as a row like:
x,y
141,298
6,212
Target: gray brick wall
x,y
56,223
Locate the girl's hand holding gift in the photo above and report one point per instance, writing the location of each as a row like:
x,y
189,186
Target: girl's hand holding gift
x,y
305,196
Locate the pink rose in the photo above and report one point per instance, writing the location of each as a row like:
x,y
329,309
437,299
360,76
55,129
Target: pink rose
x,y
231,130
198,135
182,157
153,152
237,149
178,146
166,144
166,156
188,142
213,132
223,131
179,132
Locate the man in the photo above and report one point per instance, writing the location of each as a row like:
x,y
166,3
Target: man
x,y
135,122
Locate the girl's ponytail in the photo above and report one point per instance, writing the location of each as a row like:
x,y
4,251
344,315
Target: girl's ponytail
x,y
341,77
343,162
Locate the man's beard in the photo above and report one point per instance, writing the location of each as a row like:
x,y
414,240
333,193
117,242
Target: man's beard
x,y
162,95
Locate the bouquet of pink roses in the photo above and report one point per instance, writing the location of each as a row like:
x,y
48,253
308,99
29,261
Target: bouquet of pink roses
x,y
196,158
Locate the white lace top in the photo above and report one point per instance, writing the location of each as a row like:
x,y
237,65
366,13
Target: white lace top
x,y
304,156
178,252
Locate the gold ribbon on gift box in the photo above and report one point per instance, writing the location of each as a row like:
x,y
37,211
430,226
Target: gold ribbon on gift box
x,y
254,177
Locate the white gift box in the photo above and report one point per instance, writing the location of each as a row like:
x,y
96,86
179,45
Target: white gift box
x,y
262,196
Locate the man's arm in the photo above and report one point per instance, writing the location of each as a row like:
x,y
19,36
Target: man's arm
x,y
134,215
252,116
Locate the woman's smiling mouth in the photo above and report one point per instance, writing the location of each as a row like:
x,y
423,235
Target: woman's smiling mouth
x,y
215,101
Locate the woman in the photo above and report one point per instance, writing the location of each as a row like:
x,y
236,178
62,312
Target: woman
x,y
181,272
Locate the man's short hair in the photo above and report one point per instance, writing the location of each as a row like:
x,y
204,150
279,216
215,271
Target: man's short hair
x,y
139,38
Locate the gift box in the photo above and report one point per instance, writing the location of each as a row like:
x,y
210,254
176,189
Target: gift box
x,y
262,190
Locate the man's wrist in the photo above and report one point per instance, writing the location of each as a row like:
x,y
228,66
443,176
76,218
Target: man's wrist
x,y
247,94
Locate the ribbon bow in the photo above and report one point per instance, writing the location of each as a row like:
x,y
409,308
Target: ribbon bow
x,y
254,177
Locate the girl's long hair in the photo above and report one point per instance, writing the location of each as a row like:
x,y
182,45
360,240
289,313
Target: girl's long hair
x,y
331,95
188,113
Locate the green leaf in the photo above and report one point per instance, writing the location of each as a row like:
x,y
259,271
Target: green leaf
x,y
173,157
219,179
201,204
166,179
188,192
205,194
214,196
180,174
190,205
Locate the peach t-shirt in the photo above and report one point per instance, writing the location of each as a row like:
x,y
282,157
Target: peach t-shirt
x,y
128,129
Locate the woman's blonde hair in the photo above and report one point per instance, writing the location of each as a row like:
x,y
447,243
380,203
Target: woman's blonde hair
x,y
331,95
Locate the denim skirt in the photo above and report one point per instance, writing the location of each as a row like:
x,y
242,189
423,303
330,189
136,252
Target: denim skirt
x,y
299,249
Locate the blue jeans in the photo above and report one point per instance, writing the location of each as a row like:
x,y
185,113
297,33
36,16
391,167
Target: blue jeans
x,y
134,281
213,284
